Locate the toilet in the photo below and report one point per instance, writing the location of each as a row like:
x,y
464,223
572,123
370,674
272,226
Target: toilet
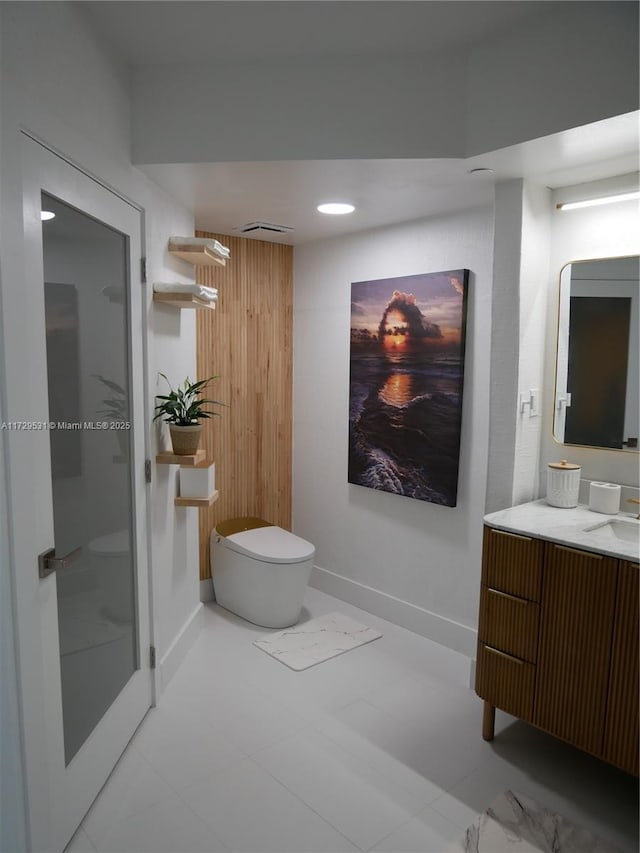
x,y
112,560
260,571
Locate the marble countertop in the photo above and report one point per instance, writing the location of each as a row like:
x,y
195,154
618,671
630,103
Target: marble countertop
x,y
569,527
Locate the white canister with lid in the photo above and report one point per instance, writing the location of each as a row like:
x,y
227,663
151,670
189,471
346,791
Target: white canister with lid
x,y
563,484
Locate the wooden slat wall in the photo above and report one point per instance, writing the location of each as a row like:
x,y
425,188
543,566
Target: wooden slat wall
x,y
248,341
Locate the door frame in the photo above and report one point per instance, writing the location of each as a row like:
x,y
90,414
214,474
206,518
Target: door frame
x,y
30,595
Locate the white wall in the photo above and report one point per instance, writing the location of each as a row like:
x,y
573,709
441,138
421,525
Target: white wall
x,y
415,563
12,813
534,273
12,806
57,82
520,272
582,234
505,343
96,136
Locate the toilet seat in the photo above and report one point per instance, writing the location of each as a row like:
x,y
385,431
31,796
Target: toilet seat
x,y
270,545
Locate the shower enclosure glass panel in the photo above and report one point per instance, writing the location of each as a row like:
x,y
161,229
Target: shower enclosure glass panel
x,y
86,283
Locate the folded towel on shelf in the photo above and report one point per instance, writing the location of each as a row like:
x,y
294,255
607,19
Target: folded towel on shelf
x,y
221,250
210,294
211,243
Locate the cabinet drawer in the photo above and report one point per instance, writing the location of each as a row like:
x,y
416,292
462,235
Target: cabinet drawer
x,y
512,563
505,681
508,623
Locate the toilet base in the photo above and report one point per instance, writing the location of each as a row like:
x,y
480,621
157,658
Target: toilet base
x,y
266,594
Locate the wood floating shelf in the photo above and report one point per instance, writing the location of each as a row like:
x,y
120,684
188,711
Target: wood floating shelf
x,y
199,254
183,300
184,461
200,502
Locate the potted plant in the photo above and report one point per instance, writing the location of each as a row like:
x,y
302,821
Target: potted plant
x,y
183,410
117,409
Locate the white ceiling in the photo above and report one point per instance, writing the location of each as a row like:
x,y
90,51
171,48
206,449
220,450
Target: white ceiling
x,y
225,196
160,33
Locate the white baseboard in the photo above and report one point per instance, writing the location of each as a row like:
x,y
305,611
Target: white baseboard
x,y
206,590
444,631
176,652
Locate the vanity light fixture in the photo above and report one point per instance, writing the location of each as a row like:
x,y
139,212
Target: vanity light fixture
x,y
336,208
593,202
45,215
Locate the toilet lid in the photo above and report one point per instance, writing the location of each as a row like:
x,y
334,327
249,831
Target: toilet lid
x,y
271,545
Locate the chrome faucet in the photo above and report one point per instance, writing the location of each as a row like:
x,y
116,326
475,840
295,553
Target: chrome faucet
x,y
634,501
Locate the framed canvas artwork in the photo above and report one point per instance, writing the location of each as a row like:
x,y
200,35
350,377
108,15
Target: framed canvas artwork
x,y
406,378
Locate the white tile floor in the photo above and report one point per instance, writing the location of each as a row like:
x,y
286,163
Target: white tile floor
x,y
378,749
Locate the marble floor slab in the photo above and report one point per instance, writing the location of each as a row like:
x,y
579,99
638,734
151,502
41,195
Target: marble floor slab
x,y
514,823
316,641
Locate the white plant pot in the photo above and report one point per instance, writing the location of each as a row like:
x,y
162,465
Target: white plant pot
x,y
199,481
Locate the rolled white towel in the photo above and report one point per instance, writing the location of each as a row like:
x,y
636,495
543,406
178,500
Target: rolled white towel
x,y
199,290
211,243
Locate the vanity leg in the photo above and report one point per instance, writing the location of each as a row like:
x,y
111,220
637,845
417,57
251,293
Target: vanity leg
x,y
488,721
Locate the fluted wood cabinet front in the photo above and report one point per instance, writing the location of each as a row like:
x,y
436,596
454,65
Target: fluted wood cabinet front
x,y
512,563
578,603
558,643
621,732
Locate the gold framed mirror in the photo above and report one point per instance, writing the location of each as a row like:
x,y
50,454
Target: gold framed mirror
x,y
596,401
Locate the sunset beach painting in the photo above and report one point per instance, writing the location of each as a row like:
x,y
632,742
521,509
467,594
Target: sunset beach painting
x,y
405,389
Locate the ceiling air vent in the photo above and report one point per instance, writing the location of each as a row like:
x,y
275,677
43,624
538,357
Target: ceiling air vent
x,y
263,226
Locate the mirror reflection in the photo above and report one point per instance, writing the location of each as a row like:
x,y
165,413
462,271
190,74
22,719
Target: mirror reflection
x,y
597,370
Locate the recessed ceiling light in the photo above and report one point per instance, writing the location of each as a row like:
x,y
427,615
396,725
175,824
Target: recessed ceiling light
x,y
46,215
481,170
336,208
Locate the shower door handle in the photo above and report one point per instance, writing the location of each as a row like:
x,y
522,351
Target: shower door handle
x,y
48,562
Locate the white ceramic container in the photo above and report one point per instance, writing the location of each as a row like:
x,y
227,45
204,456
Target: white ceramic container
x,y
563,484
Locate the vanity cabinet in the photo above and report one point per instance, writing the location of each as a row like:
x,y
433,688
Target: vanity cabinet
x,y
558,643
577,611
621,726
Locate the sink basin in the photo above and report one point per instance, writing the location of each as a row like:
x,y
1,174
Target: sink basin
x,y
627,530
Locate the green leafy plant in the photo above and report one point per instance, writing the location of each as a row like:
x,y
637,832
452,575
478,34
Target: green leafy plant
x,y
183,406
117,404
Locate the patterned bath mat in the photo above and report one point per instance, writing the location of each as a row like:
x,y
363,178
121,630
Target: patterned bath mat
x,y
514,823
315,641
